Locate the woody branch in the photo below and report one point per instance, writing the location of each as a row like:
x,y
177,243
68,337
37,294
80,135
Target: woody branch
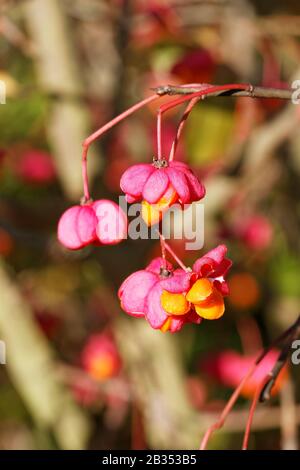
x,y
252,92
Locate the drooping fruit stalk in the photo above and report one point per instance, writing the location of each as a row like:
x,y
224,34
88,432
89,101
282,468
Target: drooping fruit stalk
x,y
199,94
89,140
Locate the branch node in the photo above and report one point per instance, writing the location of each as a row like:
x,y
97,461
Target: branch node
x,y
162,90
251,90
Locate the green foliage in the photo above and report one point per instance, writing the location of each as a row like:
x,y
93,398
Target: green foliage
x,y
209,132
11,405
22,117
285,274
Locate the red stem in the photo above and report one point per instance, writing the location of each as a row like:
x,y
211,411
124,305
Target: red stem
x,y
178,260
166,246
181,126
158,139
227,408
252,411
89,140
202,86
163,250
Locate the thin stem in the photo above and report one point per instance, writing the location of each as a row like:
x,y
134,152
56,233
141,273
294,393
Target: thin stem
x,y
254,403
163,250
178,260
181,126
158,137
231,402
172,253
264,388
203,86
277,368
85,177
89,140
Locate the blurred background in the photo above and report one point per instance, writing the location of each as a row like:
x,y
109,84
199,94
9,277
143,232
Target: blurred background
x,y
80,373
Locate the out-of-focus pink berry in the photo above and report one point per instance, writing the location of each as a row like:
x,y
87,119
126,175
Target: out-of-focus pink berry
x,y
36,166
255,231
158,23
100,357
197,66
229,368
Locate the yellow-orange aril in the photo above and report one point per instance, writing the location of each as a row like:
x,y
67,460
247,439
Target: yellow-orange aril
x,y
212,308
174,304
152,213
202,289
166,326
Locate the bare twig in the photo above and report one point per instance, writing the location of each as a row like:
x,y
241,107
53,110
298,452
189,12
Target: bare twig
x,y
253,92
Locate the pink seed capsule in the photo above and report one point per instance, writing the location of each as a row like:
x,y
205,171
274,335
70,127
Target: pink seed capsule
x,y
112,222
77,227
36,166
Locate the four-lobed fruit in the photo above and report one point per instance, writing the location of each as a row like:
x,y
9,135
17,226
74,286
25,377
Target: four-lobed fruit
x,y
101,222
